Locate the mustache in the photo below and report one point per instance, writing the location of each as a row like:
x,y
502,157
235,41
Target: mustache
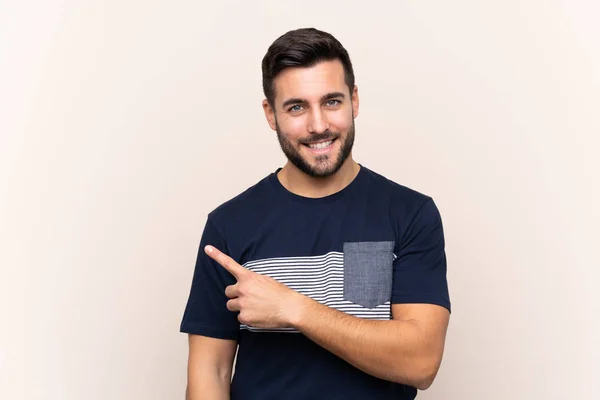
x,y
320,137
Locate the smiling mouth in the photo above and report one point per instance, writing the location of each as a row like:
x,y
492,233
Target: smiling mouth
x,y
320,145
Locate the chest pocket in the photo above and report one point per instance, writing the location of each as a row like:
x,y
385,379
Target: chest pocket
x,y
368,268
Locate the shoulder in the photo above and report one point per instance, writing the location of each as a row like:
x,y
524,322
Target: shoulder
x,y
407,207
415,215
402,197
249,202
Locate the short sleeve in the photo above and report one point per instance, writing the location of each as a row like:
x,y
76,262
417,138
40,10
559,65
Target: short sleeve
x,y
206,311
420,266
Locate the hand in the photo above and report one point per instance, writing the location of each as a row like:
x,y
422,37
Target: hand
x,y
262,301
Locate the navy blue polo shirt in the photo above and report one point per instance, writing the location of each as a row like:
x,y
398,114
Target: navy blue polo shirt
x,y
370,245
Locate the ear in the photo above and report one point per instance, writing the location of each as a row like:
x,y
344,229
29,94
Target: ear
x,y
355,101
269,114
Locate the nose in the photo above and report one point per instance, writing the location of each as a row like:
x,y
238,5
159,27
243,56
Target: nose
x,y
317,121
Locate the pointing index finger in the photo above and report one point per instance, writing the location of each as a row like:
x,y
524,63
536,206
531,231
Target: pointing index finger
x,y
225,261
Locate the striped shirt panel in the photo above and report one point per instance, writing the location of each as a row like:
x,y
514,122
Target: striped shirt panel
x,y
318,277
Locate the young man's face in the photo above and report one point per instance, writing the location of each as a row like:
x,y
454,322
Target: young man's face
x,y
314,115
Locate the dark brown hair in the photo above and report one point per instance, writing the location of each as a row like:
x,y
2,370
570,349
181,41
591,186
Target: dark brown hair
x,y
302,48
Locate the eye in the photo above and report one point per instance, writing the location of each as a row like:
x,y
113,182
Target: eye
x,y
295,108
333,103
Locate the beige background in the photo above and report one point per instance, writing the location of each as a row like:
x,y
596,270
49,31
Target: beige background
x,y
123,123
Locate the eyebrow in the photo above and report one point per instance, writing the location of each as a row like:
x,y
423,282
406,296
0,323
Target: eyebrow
x,y
328,96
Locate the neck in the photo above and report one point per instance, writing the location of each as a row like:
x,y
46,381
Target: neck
x,y
305,185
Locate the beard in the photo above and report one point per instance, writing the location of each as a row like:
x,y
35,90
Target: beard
x,y
323,166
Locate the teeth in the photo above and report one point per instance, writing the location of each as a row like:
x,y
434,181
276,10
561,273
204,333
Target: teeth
x,y
321,145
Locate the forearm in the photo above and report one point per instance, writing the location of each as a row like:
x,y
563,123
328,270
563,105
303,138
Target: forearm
x,y
210,367
208,387
393,350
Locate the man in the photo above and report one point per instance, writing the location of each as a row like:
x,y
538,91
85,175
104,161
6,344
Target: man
x,y
329,277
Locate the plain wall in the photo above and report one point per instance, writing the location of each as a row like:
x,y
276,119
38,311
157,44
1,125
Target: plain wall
x,y
123,123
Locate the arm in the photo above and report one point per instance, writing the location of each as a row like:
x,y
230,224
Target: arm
x,y
407,349
210,365
212,330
